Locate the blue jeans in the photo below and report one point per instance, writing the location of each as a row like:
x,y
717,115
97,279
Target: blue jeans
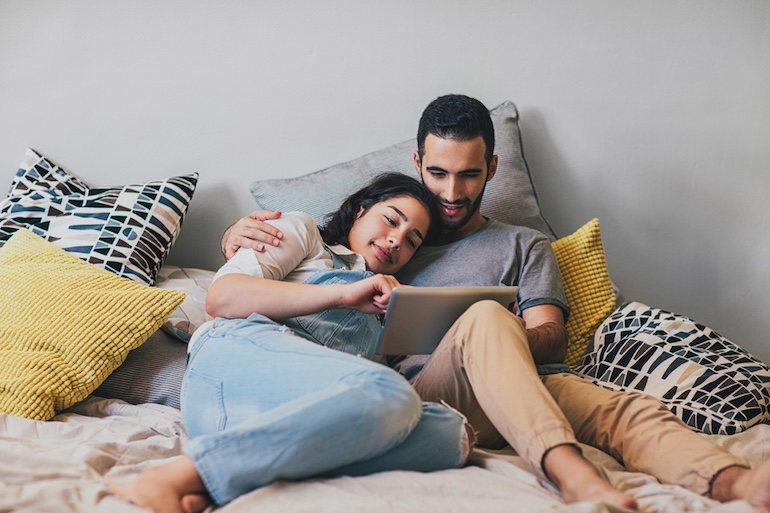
x,y
262,404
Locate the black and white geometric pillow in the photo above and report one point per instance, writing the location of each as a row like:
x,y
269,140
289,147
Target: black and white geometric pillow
x,y
713,385
128,230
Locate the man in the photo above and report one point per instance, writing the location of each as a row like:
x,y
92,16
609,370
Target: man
x,y
486,365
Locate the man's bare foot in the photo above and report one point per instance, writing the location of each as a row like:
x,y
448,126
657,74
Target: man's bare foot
x,y
175,487
751,485
579,480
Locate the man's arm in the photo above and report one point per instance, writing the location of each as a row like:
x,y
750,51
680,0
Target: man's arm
x,y
251,232
546,333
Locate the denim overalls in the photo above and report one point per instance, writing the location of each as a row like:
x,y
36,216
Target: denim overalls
x,y
262,403
348,331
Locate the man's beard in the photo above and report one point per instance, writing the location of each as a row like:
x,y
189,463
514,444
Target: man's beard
x,y
455,224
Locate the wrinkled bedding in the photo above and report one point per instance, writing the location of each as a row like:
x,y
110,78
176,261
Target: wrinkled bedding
x,y
68,463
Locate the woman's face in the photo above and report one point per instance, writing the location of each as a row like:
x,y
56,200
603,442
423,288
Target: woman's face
x,y
388,234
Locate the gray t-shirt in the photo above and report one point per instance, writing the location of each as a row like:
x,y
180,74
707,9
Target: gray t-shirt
x,y
498,254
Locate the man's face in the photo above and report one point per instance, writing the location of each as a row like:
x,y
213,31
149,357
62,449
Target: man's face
x,y
456,173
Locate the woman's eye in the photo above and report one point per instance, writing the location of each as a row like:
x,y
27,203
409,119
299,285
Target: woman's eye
x,y
411,243
390,221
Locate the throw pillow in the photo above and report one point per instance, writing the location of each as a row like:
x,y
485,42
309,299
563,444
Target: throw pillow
x,y
128,230
587,286
195,283
509,197
65,325
713,385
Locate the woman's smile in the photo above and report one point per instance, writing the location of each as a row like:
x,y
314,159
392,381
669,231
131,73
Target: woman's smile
x,y
382,253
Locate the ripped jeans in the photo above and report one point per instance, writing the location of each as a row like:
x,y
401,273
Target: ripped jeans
x,y
262,404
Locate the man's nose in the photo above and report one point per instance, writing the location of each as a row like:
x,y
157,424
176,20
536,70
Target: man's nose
x,y
453,194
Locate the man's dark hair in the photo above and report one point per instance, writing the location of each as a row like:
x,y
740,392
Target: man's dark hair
x,y
458,117
383,187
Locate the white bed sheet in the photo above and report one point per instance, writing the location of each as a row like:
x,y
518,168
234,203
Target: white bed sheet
x,y
68,463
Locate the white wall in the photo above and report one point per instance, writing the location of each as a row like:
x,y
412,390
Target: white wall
x,y
653,116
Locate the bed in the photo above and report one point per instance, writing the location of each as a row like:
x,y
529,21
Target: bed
x,y
120,415
68,463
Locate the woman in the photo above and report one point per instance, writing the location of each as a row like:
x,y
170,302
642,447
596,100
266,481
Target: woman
x,y
275,387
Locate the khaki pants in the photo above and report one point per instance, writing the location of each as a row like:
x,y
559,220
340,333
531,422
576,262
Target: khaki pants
x,y
483,368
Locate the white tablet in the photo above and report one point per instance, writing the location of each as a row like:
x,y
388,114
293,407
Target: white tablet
x,y
417,318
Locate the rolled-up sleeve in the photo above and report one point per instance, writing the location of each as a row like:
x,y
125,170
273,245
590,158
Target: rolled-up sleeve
x,y
300,241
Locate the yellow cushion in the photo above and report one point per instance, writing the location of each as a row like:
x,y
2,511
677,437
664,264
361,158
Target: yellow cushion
x,y
587,285
65,325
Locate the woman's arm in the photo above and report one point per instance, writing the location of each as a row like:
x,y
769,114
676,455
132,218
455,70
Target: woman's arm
x,y
253,282
239,295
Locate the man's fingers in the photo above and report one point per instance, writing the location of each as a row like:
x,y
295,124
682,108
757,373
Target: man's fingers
x,y
264,215
243,242
251,232
264,232
248,236
268,235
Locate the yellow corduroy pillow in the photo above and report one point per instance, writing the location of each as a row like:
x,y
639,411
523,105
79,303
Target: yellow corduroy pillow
x,y
587,286
65,325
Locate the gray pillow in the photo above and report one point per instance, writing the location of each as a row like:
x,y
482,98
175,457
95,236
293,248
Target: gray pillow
x,y
152,373
510,197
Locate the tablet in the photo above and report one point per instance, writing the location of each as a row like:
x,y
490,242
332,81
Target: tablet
x,y
417,318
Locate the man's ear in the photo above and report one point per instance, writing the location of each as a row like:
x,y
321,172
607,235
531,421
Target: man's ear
x,y
492,168
418,163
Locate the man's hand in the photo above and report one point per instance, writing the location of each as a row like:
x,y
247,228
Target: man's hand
x,y
370,295
251,232
546,333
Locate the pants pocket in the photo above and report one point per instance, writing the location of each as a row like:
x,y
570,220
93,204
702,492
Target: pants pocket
x,y
203,410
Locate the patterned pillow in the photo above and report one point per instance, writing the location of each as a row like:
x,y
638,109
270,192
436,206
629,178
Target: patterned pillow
x,y
587,285
510,197
713,385
65,325
183,321
127,230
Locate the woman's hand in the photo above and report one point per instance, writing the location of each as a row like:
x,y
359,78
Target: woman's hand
x,y
370,295
251,232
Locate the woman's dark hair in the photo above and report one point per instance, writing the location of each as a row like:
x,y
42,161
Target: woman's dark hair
x,y
458,117
384,187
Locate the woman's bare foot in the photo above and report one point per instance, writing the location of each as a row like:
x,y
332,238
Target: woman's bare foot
x,y
196,502
739,483
579,480
175,487
471,436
